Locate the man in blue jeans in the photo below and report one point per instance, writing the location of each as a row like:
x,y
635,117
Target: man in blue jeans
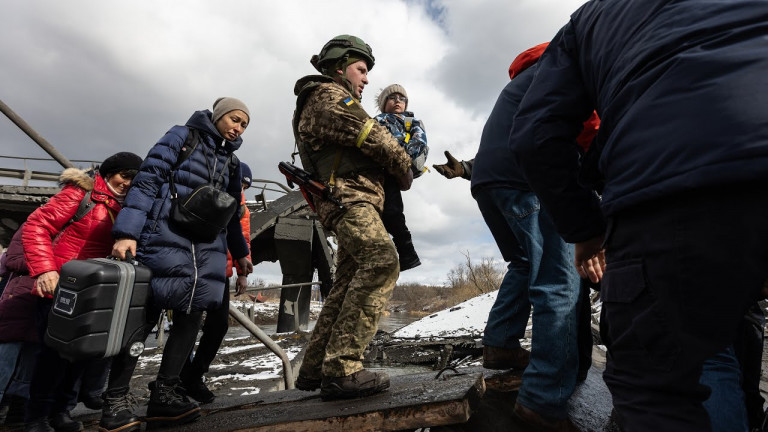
x,y
679,237
540,272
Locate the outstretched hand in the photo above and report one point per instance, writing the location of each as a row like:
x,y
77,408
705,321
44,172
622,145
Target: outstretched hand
x,y
452,168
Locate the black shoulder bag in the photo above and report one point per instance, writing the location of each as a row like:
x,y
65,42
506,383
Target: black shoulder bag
x,y
205,212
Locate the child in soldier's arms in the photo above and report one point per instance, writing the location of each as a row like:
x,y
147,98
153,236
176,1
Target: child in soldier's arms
x,y
409,132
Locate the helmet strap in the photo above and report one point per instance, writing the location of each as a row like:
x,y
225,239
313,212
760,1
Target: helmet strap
x,y
343,65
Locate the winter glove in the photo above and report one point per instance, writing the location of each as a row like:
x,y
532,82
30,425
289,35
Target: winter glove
x,y
452,168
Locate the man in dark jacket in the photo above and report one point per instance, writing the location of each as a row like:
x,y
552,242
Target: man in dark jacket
x,y
682,156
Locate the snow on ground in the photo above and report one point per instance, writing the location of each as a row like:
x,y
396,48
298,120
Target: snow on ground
x,y
464,319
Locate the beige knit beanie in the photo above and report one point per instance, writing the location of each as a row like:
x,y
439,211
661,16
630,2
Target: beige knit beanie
x,y
381,99
224,105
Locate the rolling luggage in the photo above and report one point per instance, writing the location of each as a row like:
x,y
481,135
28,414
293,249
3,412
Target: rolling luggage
x,y
99,309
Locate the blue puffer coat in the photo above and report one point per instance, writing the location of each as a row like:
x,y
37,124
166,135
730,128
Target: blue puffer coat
x,y
682,93
185,275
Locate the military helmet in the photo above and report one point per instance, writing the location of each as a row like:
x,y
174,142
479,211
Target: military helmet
x,y
340,48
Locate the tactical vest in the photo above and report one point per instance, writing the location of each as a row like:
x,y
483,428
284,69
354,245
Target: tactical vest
x,y
336,161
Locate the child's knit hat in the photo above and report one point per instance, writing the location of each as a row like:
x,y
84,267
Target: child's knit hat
x,y
381,99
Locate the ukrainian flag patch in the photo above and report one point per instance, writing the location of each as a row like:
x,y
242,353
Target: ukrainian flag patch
x,y
349,101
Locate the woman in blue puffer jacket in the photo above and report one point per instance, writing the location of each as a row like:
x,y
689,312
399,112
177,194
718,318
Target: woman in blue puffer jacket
x,y
188,276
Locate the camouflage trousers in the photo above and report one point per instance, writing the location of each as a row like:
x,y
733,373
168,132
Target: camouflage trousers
x,y
366,271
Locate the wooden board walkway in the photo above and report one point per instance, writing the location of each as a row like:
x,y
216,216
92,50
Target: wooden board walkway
x,y
412,401
476,399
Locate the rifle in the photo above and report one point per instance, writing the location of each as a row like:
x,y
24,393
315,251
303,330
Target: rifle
x,y
306,184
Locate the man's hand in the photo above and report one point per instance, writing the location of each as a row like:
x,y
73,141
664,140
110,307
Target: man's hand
x,y
245,266
121,246
46,283
450,169
590,259
405,181
241,285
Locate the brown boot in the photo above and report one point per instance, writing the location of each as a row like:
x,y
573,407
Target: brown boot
x,y
359,384
502,358
540,423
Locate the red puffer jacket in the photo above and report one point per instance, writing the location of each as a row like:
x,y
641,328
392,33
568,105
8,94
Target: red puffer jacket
x,y
47,247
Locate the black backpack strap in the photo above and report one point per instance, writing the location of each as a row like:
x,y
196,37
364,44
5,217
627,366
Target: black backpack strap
x,y
86,204
190,144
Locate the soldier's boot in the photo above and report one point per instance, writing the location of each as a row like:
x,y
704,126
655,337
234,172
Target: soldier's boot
x,y
359,384
169,405
307,383
117,412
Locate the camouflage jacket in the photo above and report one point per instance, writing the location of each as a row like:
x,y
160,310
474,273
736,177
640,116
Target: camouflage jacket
x,y
412,138
331,118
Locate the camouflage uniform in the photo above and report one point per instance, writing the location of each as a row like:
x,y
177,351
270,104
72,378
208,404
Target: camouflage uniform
x,y
367,264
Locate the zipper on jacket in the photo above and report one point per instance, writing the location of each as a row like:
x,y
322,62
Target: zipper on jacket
x,y
194,281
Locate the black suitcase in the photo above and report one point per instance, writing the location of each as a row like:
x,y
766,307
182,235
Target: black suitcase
x,y
99,309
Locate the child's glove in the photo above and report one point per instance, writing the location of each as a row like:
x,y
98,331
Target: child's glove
x,y
452,168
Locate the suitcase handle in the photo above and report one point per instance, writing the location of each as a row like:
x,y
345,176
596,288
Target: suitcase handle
x,y
129,258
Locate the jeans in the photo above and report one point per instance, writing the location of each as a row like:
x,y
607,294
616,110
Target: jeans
x,y
25,368
541,275
9,352
725,406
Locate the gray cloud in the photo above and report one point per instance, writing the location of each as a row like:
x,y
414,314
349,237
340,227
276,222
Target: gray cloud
x,y
97,77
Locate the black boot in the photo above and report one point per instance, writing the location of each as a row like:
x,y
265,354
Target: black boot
x,y
38,425
169,405
63,422
117,412
408,256
197,390
16,407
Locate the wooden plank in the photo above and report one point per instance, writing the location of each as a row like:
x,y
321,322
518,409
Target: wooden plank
x,y
413,401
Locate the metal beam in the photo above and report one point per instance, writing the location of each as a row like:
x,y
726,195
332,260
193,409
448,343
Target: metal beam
x,y
24,126
29,175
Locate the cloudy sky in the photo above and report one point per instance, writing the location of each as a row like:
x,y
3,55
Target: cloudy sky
x,y
95,77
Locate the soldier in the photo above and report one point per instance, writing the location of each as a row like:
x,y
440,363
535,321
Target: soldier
x,y
343,147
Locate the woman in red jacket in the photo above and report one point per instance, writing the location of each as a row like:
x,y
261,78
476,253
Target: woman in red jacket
x,y
52,237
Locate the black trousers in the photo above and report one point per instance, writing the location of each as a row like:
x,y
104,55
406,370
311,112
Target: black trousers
x,y
393,215
180,342
681,273
214,329
54,380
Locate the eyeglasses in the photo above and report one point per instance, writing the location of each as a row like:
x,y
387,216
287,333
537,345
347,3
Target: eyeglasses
x,y
397,98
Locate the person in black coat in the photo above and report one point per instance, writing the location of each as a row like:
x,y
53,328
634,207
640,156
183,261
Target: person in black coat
x,y
681,157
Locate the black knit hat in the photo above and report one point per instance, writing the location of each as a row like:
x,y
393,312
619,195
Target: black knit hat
x,y
118,162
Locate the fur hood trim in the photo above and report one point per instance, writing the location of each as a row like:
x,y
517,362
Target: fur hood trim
x,y
77,177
